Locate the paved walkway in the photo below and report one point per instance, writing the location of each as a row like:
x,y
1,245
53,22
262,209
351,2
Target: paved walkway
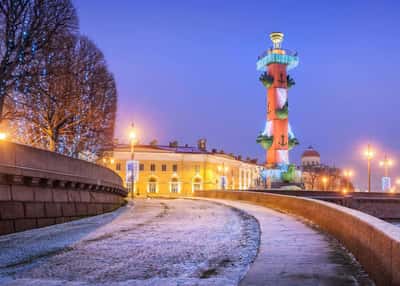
x,y
294,253
178,242
152,243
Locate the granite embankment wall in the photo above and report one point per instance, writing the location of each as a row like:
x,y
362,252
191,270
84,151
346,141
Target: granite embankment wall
x,y
382,205
40,188
375,243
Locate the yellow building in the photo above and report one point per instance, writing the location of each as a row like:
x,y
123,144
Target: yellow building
x,y
166,171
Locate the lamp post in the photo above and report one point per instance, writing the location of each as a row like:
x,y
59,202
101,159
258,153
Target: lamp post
x,y
325,181
222,169
386,163
348,174
369,154
132,138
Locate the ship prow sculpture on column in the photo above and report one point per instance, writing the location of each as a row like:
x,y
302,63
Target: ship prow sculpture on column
x,y
278,138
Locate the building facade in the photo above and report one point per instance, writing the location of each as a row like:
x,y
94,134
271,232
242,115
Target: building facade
x,y
317,176
166,171
310,157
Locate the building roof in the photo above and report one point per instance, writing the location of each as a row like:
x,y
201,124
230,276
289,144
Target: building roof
x,y
310,152
179,149
159,148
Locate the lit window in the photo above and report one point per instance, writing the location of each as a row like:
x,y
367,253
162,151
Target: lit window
x,y
152,185
196,184
197,169
174,185
163,167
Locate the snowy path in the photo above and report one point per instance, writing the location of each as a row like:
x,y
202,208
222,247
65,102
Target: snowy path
x,y
156,242
294,253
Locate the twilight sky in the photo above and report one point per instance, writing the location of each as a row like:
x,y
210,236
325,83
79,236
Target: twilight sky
x,y
186,69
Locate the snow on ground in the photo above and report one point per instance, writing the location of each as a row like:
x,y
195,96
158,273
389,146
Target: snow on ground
x,y
395,222
156,242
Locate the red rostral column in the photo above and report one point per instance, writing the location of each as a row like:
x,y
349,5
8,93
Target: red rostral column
x,y
277,137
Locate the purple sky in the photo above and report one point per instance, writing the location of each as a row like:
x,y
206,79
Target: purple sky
x,y
186,69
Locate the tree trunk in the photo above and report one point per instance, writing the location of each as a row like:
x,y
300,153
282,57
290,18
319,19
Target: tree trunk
x,y
53,139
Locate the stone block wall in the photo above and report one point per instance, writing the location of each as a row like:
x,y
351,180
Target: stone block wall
x,y
40,188
382,205
375,243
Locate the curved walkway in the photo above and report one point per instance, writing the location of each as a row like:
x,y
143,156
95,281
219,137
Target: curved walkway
x,y
178,242
294,253
156,242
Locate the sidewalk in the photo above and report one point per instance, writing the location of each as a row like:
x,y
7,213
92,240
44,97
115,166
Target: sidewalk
x,y
293,253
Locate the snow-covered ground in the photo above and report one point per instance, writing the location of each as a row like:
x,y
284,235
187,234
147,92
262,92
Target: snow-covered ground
x,y
395,222
155,242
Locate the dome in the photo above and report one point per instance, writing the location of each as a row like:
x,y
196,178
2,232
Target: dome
x,y
310,152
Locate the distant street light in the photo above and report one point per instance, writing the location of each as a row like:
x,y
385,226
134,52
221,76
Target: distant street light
x,y
386,163
223,169
325,181
348,174
132,138
3,136
369,154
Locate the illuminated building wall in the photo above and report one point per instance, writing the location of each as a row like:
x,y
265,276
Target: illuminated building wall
x,y
177,171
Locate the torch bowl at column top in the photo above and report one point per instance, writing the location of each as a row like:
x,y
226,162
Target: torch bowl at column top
x,y
276,38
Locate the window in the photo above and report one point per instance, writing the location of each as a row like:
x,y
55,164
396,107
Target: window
x,y
163,167
174,185
197,169
152,185
153,167
196,184
141,167
175,168
118,167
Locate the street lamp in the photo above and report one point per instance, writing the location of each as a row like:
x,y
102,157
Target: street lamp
x,y
369,154
386,163
132,138
325,181
348,174
222,169
3,136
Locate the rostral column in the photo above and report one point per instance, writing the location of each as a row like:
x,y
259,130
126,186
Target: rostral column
x,y
277,137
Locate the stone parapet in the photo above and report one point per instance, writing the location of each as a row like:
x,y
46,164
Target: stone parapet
x,y
40,188
375,243
382,205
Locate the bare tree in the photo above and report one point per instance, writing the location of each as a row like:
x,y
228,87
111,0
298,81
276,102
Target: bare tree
x,y
312,179
68,102
26,28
